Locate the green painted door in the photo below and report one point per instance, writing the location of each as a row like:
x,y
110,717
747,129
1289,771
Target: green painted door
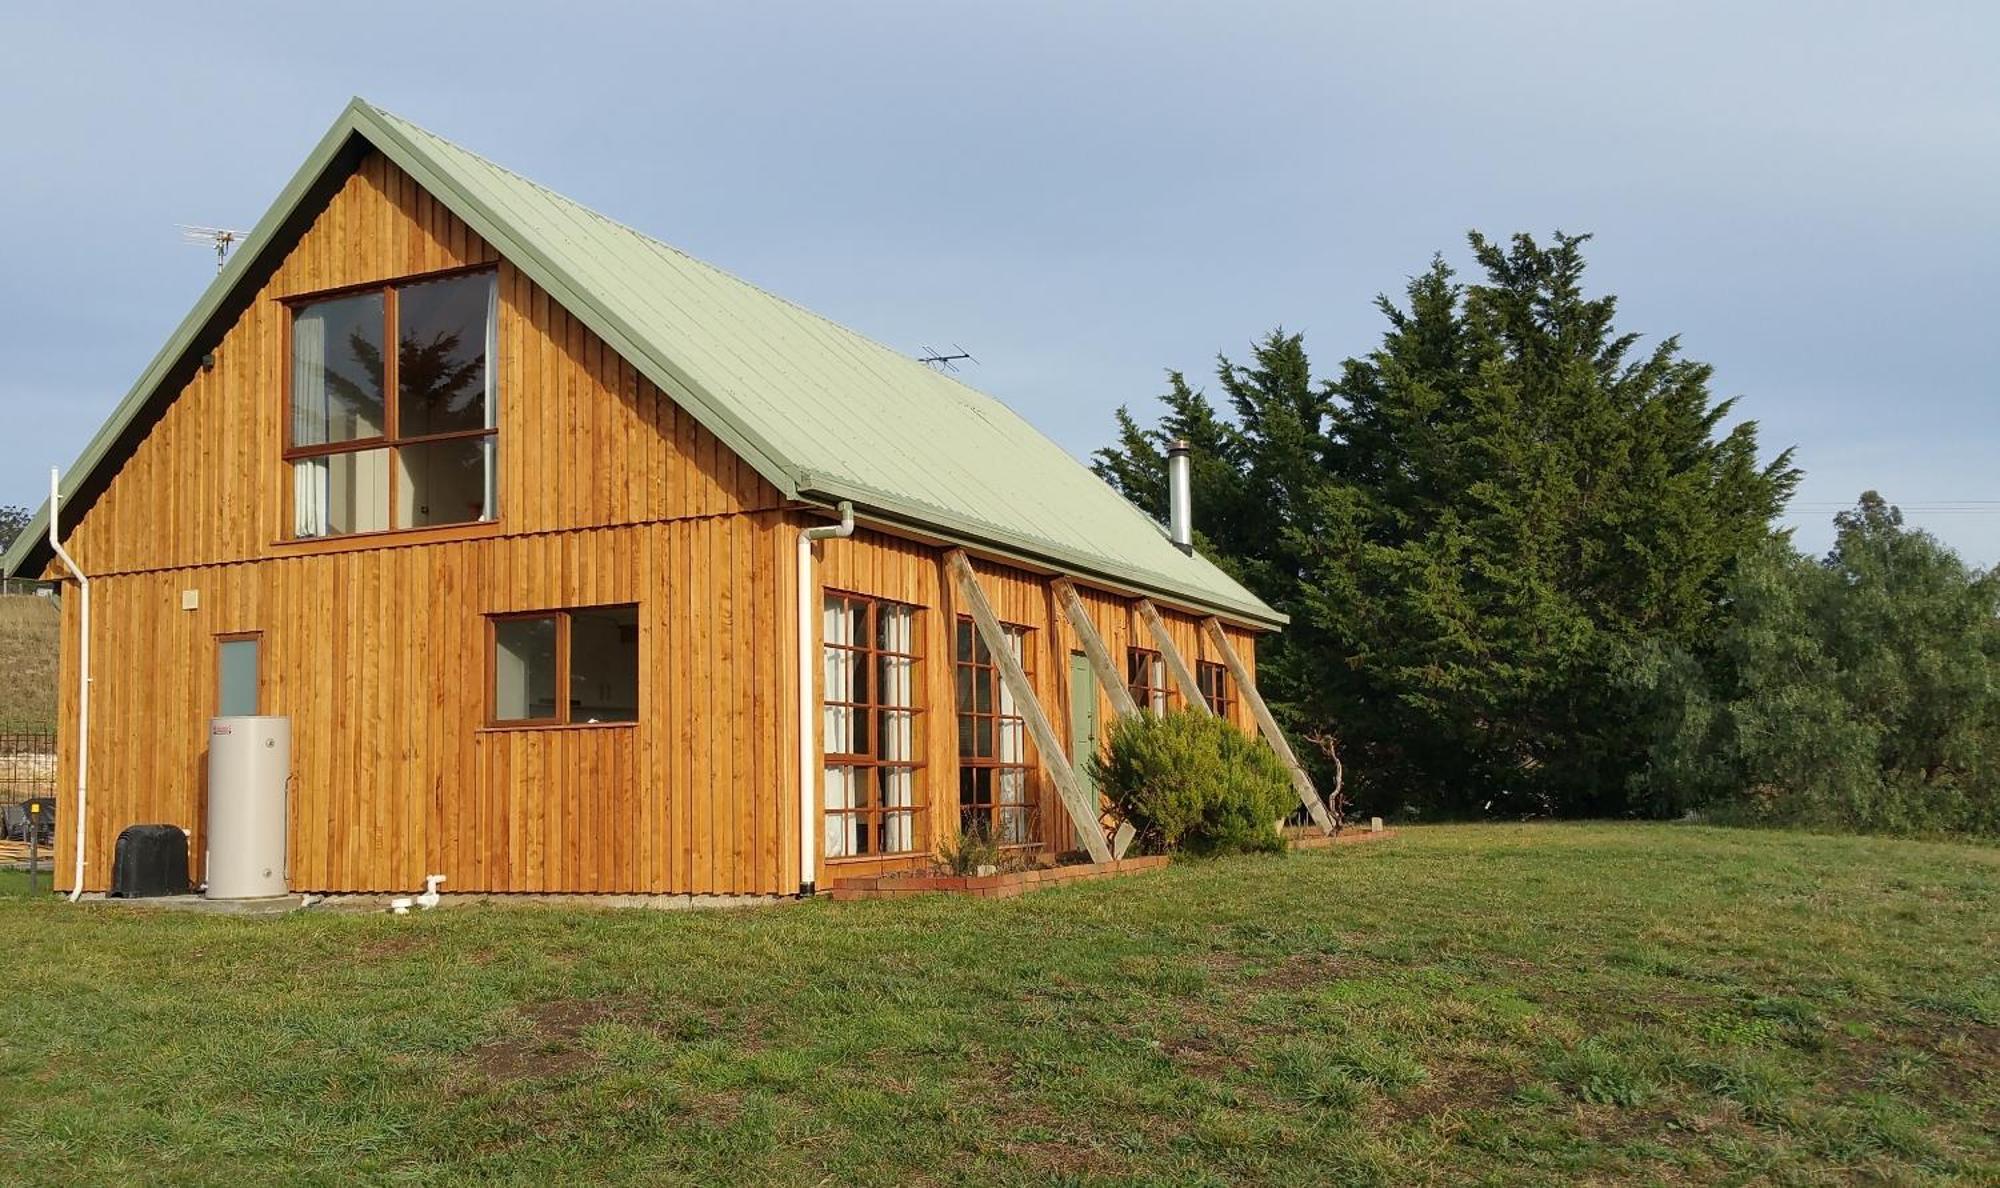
x,y
1083,740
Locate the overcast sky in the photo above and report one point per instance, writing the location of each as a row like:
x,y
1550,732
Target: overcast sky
x,y
1085,194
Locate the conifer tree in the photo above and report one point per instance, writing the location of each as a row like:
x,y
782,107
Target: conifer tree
x,y
1473,527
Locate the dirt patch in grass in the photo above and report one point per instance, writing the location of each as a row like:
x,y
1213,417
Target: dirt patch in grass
x,y
1060,1161
1304,971
387,947
1955,1059
1291,971
549,1042
1447,1088
1052,1144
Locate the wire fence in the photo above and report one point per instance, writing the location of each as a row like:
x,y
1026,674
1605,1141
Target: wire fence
x,y
27,775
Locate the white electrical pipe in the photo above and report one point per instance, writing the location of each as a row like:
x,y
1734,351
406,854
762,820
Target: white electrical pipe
x,y
808,748
82,681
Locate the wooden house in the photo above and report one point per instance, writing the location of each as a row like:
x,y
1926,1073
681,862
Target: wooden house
x,y
536,588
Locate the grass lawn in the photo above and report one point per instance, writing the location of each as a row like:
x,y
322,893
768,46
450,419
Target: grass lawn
x,y
1545,1003
29,627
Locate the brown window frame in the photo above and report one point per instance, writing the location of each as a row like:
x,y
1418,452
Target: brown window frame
x,y
561,721
1143,666
876,814
1213,680
388,439
988,811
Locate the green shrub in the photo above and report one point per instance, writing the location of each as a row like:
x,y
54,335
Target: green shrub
x,y
1191,781
1861,691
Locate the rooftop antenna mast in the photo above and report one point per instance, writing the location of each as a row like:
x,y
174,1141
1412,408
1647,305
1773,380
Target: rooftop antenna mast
x,y
944,361
219,238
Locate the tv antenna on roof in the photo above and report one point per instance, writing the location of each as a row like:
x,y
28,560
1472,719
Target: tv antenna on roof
x,y
219,238
945,362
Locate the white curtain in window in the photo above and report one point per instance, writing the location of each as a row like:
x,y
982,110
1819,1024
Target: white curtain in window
x,y
839,795
896,685
838,788
1012,792
837,633
1011,744
897,733
1014,813
898,793
311,417
489,446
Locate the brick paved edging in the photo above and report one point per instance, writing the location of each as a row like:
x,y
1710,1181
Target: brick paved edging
x,y
995,886
1315,840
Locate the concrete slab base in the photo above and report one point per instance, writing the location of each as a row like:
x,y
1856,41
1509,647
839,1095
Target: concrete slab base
x,y
276,906
363,904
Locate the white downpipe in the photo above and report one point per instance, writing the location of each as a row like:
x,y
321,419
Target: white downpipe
x,y
808,736
82,682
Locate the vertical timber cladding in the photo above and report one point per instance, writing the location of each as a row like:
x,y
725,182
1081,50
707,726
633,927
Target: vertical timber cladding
x,y
376,648
394,776
881,565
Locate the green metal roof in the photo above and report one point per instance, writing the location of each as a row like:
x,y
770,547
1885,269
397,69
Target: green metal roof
x,y
822,412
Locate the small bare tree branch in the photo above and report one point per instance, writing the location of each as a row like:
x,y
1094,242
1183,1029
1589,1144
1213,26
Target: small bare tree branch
x,y
1336,800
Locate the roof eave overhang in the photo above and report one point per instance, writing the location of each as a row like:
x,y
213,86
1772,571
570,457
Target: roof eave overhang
x,y
934,523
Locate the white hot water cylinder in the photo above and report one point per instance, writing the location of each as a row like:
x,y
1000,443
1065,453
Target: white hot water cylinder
x,y
249,766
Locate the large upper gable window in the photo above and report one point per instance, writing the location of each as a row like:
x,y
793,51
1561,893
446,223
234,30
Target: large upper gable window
x,y
406,438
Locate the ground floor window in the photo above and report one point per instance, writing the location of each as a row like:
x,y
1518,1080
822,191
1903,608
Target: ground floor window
x,y
1146,676
567,667
873,802
995,796
1214,681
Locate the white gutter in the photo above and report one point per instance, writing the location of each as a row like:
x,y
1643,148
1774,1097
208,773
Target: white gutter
x,y
82,683
808,735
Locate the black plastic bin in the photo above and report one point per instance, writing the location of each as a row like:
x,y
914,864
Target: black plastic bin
x,y
150,860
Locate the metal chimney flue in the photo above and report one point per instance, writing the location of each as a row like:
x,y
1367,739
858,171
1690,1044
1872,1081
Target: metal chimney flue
x,y
1180,496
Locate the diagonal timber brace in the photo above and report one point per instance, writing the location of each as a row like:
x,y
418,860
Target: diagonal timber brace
x,y
1267,725
1108,677
1183,675
1047,746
